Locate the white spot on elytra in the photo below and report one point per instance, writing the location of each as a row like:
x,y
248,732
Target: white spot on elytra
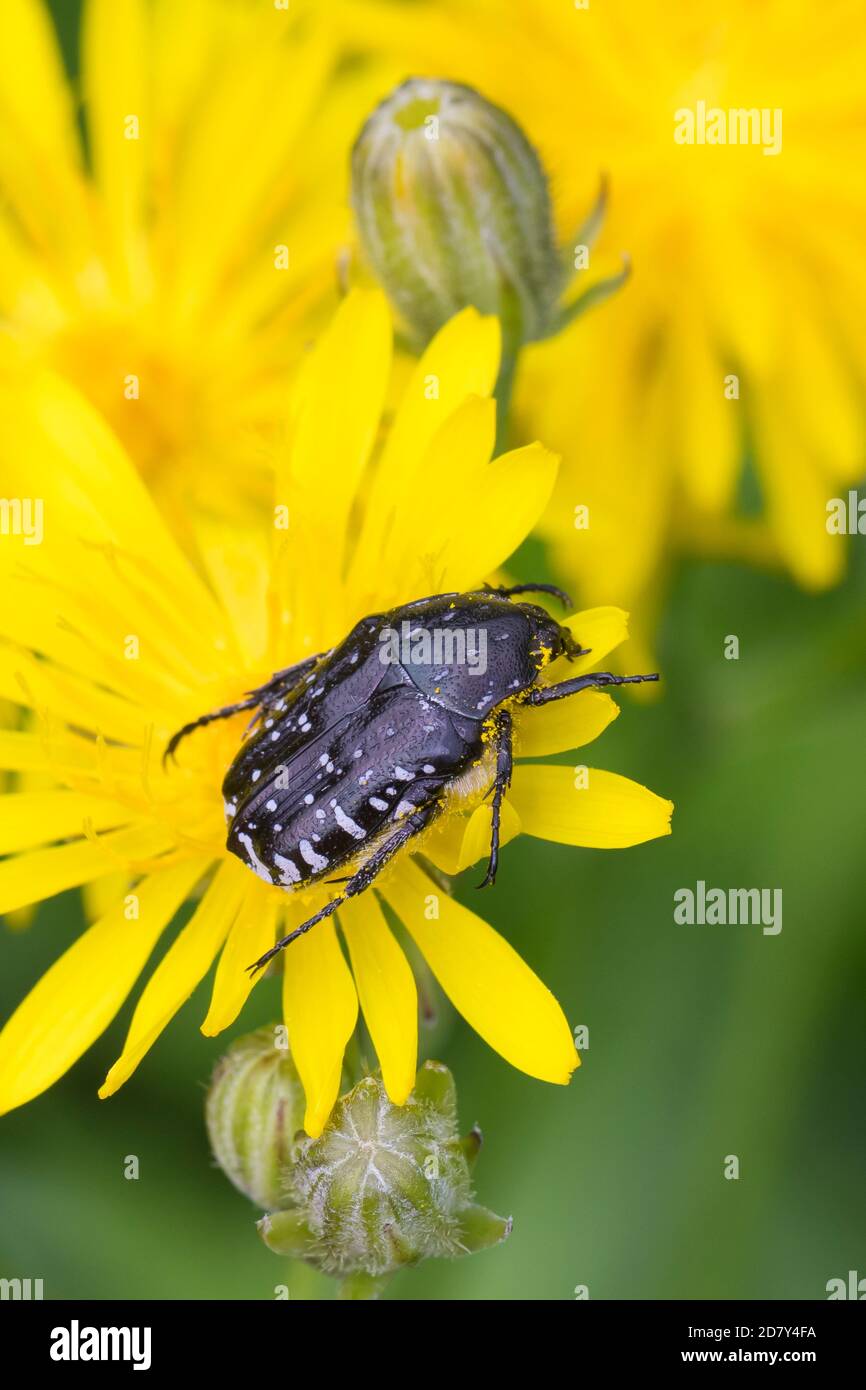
x,y
346,823
428,767
255,774
403,775
291,873
271,805
309,856
254,862
378,804
308,799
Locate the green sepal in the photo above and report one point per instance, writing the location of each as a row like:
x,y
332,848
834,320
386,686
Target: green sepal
x,y
591,298
471,1144
285,1233
481,1228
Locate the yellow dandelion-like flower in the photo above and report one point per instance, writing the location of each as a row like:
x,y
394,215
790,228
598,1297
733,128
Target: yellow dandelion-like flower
x,y
745,258
168,262
114,641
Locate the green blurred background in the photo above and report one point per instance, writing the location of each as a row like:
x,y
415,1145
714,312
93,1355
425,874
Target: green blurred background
x,y
704,1041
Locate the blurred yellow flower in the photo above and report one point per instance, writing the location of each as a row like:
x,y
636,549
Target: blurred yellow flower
x,y
113,640
746,256
167,259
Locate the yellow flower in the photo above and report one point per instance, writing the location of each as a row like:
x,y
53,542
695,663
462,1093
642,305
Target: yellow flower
x,y
746,262
113,640
169,268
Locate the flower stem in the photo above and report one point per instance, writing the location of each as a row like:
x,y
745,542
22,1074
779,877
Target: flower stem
x,y
511,321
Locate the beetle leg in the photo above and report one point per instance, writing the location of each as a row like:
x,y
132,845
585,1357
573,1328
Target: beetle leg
x,y
542,695
407,829
252,700
287,678
225,713
504,763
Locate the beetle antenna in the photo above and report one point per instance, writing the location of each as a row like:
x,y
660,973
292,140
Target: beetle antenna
x,y
509,590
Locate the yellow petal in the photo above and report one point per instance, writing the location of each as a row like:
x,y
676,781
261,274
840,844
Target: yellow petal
x,y
33,877
599,630
485,979
458,458
78,997
608,812
180,970
708,427
498,508
25,679
563,724
355,351
320,1007
248,112
101,894
386,989
57,446
476,838
797,494
116,93
28,819
253,933
25,752
39,147
237,560
461,361
443,842
457,841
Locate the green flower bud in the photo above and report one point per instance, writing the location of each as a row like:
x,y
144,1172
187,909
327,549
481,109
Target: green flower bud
x,y
384,1186
254,1109
452,207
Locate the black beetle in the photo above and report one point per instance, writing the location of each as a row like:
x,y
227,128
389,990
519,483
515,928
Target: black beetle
x,y
355,751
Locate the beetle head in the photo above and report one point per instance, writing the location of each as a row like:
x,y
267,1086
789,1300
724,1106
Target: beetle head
x,y
552,639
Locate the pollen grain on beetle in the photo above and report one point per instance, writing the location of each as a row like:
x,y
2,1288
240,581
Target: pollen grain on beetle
x,y
259,668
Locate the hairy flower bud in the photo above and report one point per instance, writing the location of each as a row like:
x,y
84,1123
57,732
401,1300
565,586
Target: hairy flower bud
x,y
452,206
385,1186
254,1109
